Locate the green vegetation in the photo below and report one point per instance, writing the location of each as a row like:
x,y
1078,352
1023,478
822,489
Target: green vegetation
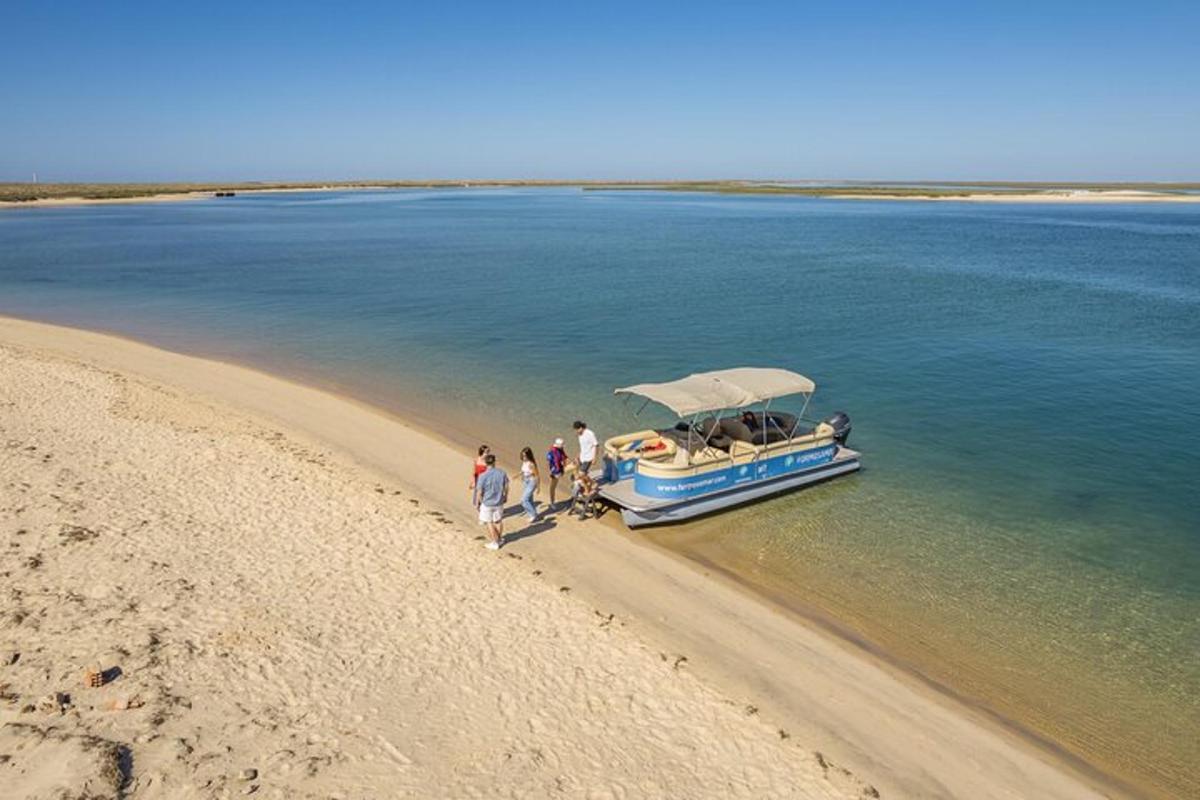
x,y
908,189
25,192
739,187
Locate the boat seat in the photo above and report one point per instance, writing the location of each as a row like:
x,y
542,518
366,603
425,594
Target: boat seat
x,y
784,421
736,429
682,440
721,442
739,448
770,436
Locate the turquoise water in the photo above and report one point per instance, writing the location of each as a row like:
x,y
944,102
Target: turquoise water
x,y
1022,381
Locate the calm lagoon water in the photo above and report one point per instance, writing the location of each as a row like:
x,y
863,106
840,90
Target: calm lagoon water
x,y
1023,382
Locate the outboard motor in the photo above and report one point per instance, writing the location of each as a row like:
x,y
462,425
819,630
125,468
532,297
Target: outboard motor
x,y
840,422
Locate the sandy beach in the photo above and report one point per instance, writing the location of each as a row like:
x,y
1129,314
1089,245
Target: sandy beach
x,y
1065,196
286,595
56,202
168,197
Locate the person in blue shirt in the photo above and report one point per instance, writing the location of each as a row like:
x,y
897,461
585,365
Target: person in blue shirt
x,y
491,493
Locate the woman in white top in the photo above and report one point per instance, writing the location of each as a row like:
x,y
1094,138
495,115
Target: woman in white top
x,y
531,480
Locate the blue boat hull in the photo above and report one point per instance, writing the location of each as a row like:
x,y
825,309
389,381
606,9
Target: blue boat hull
x,y
660,512
706,483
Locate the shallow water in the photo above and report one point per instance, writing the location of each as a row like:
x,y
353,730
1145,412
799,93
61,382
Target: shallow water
x,y
1022,381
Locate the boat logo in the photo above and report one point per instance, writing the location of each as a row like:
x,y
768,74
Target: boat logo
x,y
787,462
743,470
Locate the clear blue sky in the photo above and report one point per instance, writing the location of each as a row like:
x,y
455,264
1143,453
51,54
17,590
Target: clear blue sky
x,y
904,90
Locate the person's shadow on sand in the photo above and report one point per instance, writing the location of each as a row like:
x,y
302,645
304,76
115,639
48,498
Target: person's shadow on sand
x,y
546,523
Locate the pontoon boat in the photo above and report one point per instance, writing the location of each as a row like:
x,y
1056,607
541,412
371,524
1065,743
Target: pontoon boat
x,y
709,462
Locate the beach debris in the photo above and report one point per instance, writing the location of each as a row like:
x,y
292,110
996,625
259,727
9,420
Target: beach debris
x,y
516,556
56,701
784,734
9,657
251,789
678,661
605,619
870,791
564,588
248,774
7,696
819,756
76,533
93,677
537,572
28,708
751,710
124,703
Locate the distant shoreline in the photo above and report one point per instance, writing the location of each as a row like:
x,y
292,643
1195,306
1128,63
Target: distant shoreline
x,y
28,195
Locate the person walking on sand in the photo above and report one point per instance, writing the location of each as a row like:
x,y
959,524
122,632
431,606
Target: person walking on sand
x,y
587,446
531,482
490,495
556,460
480,468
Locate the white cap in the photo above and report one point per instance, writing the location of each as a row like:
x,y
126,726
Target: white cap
x,y
558,442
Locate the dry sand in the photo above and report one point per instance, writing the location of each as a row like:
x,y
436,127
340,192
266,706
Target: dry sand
x,y
288,594
54,202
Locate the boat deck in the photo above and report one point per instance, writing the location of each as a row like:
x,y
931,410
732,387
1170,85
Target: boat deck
x,y
622,493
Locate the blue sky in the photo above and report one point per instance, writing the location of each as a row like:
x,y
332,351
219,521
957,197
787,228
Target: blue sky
x,y
191,91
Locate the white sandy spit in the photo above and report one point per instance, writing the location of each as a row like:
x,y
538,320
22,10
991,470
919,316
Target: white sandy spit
x,y
275,621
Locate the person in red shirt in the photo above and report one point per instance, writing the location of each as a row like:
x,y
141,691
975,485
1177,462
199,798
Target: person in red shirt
x,y
480,467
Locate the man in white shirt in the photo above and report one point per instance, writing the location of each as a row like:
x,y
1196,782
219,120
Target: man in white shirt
x,y
587,446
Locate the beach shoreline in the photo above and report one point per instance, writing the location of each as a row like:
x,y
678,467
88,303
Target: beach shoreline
x,y
845,701
1052,196
66,202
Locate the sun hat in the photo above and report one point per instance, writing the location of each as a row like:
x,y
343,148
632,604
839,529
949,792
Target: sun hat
x,y
558,442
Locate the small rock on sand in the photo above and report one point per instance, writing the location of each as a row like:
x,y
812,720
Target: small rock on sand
x,y
123,703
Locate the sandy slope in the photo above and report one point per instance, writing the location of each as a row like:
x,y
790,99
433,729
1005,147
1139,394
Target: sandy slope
x,y
274,609
278,606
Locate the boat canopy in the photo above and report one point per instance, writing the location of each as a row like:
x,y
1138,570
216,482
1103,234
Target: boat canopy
x,y
723,388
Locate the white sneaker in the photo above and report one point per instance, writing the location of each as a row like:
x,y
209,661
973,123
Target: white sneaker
x,y
492,545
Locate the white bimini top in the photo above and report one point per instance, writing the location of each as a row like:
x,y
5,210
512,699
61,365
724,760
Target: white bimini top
x,y
724,388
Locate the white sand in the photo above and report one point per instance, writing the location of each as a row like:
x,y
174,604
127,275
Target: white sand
x,y
289,584
54,202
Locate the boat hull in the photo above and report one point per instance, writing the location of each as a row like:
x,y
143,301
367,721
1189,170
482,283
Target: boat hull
x,y
640,511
